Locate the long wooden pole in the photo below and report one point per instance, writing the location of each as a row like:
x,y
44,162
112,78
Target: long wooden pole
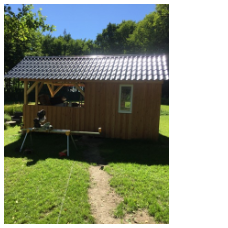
x,y
36,94
25,92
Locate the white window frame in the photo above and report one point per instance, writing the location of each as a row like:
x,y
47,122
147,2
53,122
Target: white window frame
x,y
119,104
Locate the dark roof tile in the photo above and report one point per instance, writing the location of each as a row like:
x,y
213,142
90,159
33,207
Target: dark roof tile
x,y
123,67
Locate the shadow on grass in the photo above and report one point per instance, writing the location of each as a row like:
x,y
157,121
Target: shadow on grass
x,y
43,146
112,150
136,151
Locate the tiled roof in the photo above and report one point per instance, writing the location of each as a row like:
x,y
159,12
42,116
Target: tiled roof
x,y
122,67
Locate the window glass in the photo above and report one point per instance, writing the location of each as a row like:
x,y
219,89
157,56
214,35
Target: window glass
x,y
125,99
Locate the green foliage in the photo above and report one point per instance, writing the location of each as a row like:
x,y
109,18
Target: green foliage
x,y
22,36
10,109
65,46
152,33
7,117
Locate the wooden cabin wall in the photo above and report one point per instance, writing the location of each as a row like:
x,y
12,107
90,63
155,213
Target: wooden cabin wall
x,y
101,106
101,110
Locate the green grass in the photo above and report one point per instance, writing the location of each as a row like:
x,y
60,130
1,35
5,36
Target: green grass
x,y
11,108
7,117
164,121
140,174
164,110
37,187
127,104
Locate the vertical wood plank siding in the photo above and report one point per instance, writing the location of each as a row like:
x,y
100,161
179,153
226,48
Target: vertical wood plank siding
x,y
101,110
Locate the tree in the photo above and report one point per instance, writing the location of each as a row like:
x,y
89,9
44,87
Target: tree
x,y
152,33
22,34
124,30
107,40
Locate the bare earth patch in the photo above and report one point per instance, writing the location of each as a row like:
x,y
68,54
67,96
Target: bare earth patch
x,y
102,197
104,200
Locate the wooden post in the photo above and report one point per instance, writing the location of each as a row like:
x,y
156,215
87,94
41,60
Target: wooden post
x,y
36,94
25,92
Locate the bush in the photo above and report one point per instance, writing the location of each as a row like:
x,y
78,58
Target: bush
x,y
10,109
7,117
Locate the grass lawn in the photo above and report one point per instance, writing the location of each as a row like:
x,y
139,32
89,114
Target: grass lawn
x,y
164,121
41,188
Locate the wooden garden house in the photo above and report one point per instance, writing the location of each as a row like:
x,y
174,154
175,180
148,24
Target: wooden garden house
x,y
122,94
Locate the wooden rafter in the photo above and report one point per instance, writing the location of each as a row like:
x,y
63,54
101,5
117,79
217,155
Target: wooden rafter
x,y
57,90
40,86
80,90
72,82
32,87
50,90
70,85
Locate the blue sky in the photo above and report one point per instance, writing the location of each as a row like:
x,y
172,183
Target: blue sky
x,y
86,21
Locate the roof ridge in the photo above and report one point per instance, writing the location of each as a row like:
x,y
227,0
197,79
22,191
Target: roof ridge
x,y
94,56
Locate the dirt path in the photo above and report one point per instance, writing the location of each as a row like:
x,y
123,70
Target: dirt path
x,y
102,197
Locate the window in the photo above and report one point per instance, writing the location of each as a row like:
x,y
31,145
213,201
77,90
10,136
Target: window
x,y
125,98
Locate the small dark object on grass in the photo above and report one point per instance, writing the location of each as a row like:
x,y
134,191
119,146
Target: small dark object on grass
x,y
62,153
102,167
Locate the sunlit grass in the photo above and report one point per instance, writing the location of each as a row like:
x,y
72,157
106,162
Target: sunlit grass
x,y
36,190
41,187
11,108
140,173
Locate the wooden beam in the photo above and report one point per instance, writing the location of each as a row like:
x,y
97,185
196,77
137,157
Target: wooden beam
x,y
25,92
56,81
36,94
71,85
57,90
32,87
50,90
80,90
40,86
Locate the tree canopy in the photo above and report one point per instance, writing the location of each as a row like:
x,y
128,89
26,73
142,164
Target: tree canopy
x,y
23,36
